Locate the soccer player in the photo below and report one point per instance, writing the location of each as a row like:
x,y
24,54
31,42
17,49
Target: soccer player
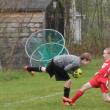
x,y
100,80
60,66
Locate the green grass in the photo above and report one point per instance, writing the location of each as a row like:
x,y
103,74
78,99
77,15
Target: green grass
x,y
20,91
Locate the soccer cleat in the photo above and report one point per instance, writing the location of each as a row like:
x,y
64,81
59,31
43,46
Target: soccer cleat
x,y
71,103
68,101
26,67
65,103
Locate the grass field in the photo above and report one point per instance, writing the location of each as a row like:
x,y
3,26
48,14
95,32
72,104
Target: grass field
x,y
20,91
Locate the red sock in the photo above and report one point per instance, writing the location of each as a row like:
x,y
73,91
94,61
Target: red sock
x,y
77,96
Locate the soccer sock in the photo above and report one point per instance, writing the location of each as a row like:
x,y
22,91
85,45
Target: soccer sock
x,y
66,92
77,96
37,69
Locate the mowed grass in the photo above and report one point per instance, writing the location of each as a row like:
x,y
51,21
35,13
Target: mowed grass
x,y
20,91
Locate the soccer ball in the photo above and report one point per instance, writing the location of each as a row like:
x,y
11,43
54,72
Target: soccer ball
x,y
77,73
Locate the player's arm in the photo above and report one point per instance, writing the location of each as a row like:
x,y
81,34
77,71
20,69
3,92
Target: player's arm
x,y
109,83
109,79
105,69
71,67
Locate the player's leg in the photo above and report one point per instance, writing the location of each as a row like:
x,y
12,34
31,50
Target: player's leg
x,y
32,70
92,83
80,92
48,69
105,91
62,75
67,87
106,97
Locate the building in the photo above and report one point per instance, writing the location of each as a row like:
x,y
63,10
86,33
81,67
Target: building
x,y
19,19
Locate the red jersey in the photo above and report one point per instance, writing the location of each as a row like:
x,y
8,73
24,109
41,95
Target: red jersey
x,y
105,70
100,80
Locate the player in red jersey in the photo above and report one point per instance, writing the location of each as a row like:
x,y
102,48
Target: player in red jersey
x,y
100,80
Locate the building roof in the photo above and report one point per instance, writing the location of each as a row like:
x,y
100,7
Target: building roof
x,y
23,5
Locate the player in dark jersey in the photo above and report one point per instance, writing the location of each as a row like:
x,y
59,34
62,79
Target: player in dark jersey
x,y
60,66
100,80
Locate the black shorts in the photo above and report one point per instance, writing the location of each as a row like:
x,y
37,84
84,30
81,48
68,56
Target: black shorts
x,y
60,73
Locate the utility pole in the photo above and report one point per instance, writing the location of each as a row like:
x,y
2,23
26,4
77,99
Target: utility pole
x,y
69,21
73,18
75,23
